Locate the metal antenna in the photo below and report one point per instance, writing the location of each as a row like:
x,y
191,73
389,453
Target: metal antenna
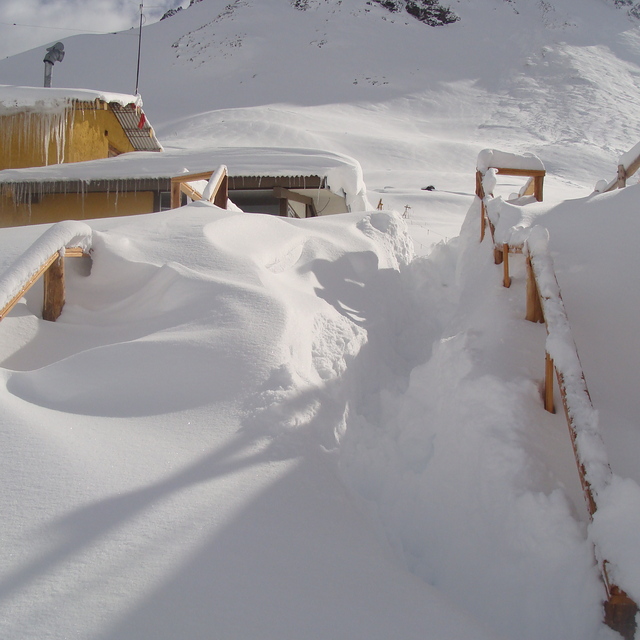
x,y
139,47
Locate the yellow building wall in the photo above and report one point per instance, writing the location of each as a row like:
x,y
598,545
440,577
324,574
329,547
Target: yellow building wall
x,y
82,132
92,133
74,206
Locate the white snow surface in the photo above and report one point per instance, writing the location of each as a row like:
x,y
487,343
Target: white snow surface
x,y
493,158
243,426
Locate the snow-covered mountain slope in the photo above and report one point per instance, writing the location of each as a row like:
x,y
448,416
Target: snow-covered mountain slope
x,y
413,103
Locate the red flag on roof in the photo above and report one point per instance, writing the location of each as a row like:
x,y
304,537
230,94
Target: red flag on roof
x,y
142,120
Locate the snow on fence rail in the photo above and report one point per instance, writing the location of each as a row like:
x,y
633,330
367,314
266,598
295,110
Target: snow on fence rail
x,y
544,304
628,164
492,162
216,190
45,257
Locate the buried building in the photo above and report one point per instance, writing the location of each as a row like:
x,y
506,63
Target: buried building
x,y
288,182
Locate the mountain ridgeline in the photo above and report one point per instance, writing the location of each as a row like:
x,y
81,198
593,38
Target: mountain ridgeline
x,y
430,12
633,7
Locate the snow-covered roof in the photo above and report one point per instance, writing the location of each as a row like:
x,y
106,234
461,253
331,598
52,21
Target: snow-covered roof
x,y
342,174
126,108
43,99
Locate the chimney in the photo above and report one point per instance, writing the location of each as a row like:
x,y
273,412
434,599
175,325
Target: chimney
x,y
54,54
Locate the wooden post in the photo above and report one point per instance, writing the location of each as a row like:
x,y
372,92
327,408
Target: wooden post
x,y
620,612
53,290
480,194
538,182
176,194
222,195
622,177
506,280
549,370
534,307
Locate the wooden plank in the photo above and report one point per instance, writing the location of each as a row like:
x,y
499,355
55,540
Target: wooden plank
x,y
281,192
538,187
53,290
75,252
175,193
479,187
529,187
633,167
505,171
622,177
188,190
548,384
619,610
192,177
480,194
310,210
506,278
516,248
216,190
12,303
221,195
534,307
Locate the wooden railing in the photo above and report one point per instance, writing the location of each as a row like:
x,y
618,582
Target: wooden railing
x,y
544,304
491,161
216,191
628,164
45,258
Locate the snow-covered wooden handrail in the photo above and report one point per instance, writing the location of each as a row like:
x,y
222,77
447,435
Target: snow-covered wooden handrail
x,y
45,257
544,304
491,162
628,164
216,191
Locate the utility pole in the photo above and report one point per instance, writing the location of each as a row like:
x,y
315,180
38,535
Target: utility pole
x,y
139,48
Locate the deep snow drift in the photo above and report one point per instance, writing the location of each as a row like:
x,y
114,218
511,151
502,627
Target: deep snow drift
x,y
232,405
171,444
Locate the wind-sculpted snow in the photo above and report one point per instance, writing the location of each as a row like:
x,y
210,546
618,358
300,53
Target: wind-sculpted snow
x,y
246,421
162,437
455,462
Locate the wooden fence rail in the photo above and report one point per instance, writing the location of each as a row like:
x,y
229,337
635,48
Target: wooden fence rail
x,y
544,304
620,609
216,191
628,164
45,258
